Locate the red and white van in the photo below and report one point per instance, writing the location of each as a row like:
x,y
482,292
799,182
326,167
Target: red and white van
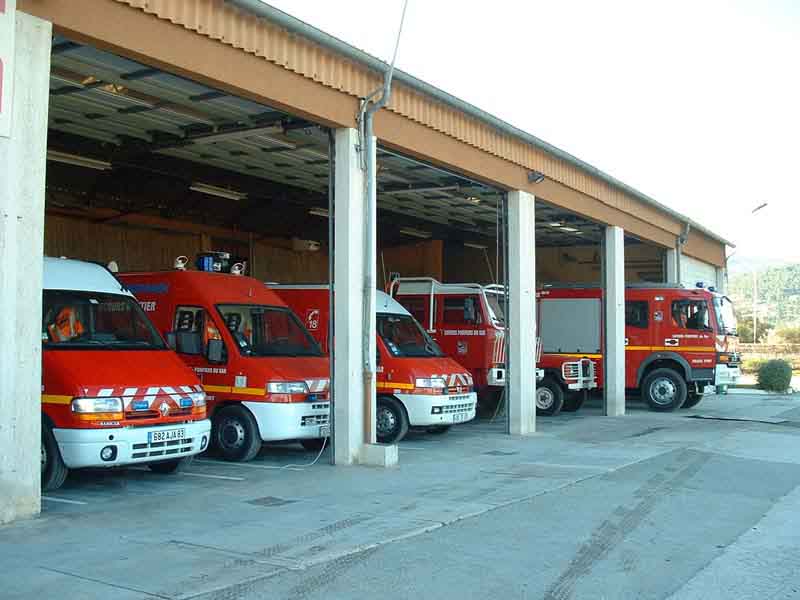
x,y
265,376
417,384
113,393
678,340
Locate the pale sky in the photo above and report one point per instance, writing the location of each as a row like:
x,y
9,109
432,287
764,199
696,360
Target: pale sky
x,y
696,103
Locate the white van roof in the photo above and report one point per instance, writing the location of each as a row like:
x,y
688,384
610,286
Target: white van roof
x,y
384,303
79,276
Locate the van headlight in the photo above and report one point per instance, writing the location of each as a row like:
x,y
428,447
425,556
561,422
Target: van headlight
x,y
198,398
431,382
287,387
96,405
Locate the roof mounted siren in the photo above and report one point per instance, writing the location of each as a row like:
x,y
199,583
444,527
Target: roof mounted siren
x,y
220,262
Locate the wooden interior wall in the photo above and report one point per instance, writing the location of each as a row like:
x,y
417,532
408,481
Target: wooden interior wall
x,y
420,259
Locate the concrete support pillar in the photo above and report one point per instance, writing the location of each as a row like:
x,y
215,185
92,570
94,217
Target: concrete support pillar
x,y
614,319
354,402
23,158
671,267
521,390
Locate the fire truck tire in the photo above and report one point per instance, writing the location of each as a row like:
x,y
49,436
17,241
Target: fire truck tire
x,y
573,401
54,471
167,467
235,434
313,444
692,399
438,429
391,421
664,390
549,397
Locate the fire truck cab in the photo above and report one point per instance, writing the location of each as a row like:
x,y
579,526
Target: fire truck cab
x,y
265,376
113,393
417,384
678,340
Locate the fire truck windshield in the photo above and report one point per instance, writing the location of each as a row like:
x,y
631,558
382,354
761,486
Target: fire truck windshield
x,y
267,331
496,302
726,318
97,321
405,338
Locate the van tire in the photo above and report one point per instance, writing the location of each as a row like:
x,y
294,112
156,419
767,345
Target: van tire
x,y
235,434
549,397
692,399
391,421
664,390
573,401
167,467
54,471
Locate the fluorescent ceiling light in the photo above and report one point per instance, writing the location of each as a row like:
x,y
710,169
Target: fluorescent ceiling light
x,y
570,229
420,190
555,224
79,161
476,246
473,200
319,212
415,232
219,192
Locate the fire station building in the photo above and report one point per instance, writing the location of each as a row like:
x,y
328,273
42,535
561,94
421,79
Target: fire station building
x,y
140,130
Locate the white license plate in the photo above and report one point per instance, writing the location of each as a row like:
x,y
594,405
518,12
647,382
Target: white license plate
x,y
458,417
324,431
166,435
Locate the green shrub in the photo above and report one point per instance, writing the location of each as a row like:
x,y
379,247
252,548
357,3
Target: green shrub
x,y
775,375
752,365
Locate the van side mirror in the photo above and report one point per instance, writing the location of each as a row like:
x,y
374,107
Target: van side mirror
x,y
188,342
172,340
470,314
214,350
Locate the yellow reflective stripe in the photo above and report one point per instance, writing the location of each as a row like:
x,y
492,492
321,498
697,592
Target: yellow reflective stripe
x,y
574,355
672,348
51,399
394,385
218,388
226,389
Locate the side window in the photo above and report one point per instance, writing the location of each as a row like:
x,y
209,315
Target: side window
x,y
193,329
690,314
464,310
636,313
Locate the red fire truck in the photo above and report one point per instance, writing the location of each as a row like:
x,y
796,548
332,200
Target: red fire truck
x,y
467,320
417,385
678,340
113,393
265,376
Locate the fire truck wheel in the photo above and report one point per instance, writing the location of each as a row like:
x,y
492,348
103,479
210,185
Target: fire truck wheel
x,y
54,471
438,429
549,397
166,467
236,434
573,401
391,422
692,399
314,444
664,390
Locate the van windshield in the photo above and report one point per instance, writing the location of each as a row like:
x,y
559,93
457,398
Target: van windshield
x,y
94,320
496,302
267,331
726,318
404,337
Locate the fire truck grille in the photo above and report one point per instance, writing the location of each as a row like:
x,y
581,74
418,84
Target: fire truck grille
x,y
571,370
173,447
314,420
457,408
154,414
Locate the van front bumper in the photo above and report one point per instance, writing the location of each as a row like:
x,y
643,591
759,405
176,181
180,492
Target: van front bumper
x,y
291,420
82,447
425,410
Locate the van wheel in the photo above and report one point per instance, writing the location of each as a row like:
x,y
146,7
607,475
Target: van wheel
x,y
692,399
314,444
54,471
573,401
391,422
664,390
438,429
236,434
167,467
549,397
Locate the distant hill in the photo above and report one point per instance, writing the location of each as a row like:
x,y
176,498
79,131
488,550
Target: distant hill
x,y
747,264
778,293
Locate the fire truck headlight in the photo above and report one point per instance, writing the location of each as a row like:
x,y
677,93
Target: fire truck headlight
x,y
198,398
431,382
97,405
287,387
